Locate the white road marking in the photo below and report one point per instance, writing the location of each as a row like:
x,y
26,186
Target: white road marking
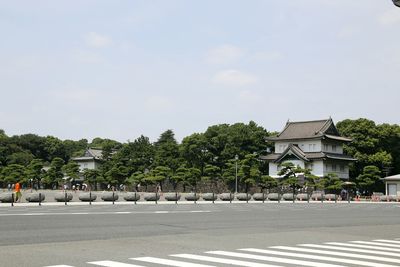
x,y
362,246
100,213
352,250
59,266
334,253
113,264
376,244
273,259
170,262
387,241
222,260
321,258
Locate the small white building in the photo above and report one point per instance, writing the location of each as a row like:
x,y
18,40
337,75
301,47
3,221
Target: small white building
x,y
90,160
392,185
315,145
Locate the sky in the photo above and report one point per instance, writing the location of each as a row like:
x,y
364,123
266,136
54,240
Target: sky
x,y
119,69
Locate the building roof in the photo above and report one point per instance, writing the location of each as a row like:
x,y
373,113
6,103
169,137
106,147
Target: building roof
x,y
305,156
309,130
292,150
90,154
392,178
94,152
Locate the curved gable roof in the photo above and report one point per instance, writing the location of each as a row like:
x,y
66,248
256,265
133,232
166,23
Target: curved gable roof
x,y
308,130
293,150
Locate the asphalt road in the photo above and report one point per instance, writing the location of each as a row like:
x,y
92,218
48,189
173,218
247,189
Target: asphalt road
x,y
75,235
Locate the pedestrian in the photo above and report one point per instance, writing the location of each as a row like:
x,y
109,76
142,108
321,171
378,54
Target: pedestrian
x,y
18,194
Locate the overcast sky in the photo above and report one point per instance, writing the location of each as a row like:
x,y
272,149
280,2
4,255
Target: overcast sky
x,y
119,69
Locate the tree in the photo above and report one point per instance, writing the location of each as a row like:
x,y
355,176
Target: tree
x,y
333,183
369,181
289,173
371,145
13,173
213,174
267,182
71,169
54,175
249,172
229,173
117,174
192,150
22,158
34,172
157,175
180,176
137,155
136,179
92,177
194,175
167,151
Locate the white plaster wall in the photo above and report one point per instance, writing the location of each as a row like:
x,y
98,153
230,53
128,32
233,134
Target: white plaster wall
x,y
393,182
303,145
86,165
318,168
273,169
327,167
339,147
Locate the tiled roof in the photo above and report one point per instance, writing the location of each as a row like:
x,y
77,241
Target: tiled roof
x,y
309,130
392,178
95,153
309,156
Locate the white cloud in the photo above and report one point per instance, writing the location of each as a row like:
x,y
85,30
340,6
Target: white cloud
x,y
224,54
234,78
93,39
390,17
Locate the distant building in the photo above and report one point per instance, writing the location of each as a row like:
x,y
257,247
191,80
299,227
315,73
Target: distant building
x,y
91,160
315,145
392,185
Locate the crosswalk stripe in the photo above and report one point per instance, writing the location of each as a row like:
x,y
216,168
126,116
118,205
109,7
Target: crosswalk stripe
x,y
113,264
170,262
362,246
352,250
273,259
376,244
222,260
387,241
335,253
316,257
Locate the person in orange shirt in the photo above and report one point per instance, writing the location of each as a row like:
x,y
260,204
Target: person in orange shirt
x,y
18,194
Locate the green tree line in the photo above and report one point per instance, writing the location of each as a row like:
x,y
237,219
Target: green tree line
x,y
207,157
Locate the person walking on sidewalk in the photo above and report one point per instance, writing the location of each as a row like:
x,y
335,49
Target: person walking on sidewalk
x,y
18,194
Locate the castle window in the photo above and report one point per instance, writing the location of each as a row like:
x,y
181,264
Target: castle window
x,y
334,148
341,168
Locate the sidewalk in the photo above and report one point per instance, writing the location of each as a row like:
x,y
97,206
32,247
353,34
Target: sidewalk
x,y
50,201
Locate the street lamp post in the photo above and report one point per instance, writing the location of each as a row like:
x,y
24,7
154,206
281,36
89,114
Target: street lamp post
x,y
236,174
